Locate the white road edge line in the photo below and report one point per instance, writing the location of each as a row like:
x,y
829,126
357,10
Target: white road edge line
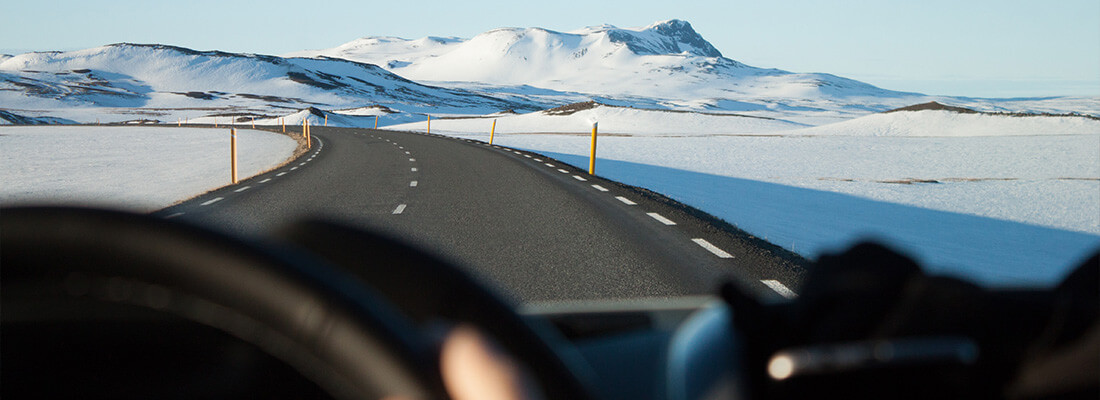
x,y
579,178
242,189
413,183
600,188
661,218
780,288
626,201
711,248
216,199
400,209
173,215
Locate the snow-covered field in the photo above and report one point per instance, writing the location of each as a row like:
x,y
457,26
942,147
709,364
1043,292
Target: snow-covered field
x,y
136,168
1005,200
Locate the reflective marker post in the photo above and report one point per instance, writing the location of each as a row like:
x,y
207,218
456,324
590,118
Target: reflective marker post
x,y
493,132
233,154
592,156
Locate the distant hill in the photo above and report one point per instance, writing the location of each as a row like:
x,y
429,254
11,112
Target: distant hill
x,y
160,76
667,60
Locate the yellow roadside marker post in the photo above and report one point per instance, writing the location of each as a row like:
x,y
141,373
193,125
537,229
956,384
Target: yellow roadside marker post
x,y
253,122
326,120
233,154
493,131
592,157
375,122
215,122
429,124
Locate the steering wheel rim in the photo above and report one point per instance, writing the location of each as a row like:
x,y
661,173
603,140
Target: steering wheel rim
x,y
344,337
426,287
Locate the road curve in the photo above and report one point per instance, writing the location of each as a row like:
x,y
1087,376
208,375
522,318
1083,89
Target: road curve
x,y
535,228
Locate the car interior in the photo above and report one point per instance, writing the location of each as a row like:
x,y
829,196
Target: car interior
x,y
100,304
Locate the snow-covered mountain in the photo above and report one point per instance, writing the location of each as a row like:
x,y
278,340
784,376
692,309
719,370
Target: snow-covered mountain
x,y
664,65
156,78
667,60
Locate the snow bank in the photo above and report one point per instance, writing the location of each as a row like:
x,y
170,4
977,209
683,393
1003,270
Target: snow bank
x,y
612,121
947,123
136,168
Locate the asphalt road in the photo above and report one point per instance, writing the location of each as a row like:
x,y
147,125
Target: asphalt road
x,y
533,227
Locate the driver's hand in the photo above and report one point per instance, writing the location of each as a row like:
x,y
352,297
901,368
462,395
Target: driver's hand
x,y
474,368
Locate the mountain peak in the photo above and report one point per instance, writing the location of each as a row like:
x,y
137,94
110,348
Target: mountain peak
x,y
673,36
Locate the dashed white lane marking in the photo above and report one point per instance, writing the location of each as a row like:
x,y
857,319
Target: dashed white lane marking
x,y
661,218
711,248
780,288
400,209
294,168
216,199
549,165
242,189
173,215
414,169
266,180
626,201
412,159
407,152
527,155
563,171
302,164
280,174
413,184
579,178
518,153
600,188
537,160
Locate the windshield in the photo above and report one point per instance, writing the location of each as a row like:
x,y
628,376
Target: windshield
x,y
611,151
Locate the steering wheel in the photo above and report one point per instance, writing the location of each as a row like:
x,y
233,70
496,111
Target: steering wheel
x,y
72,276
85,289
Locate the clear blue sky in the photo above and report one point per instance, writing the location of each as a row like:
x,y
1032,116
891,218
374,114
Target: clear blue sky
x,y
997,48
